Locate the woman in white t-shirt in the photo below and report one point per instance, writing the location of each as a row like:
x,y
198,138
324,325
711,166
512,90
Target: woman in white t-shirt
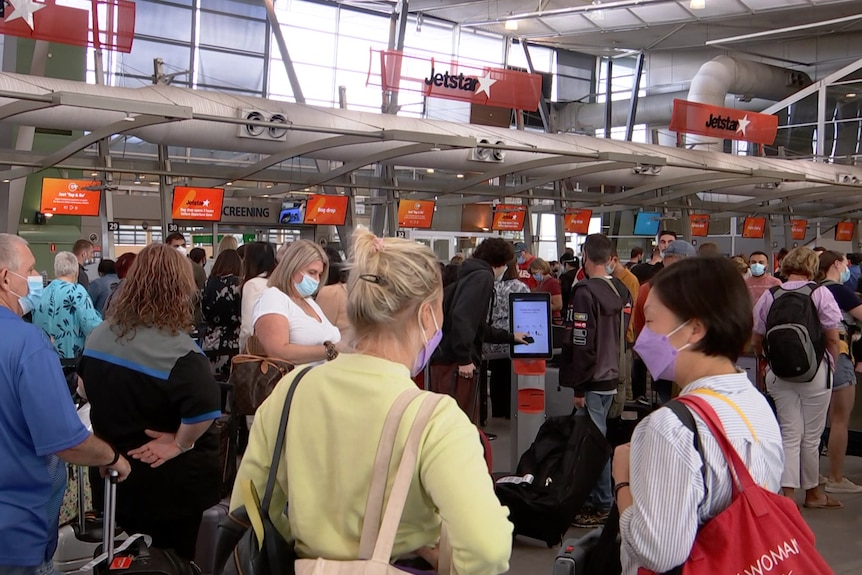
x,y
288,323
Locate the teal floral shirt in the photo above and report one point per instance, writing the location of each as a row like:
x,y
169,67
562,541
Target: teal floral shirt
x,y
67,315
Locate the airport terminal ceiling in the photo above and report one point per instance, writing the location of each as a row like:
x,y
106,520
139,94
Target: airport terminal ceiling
x,y
210,141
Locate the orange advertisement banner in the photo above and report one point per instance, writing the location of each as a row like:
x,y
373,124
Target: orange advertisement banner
x,y
726,123
202,204
578,221
754,228
844,231
798,229
326,210
509,217
415,213
699,225
70,197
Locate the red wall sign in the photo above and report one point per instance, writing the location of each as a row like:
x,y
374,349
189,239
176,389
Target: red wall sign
x,y
699,225
754,228
509,217
326,210
844,231
726,123
203,204
578,221
455,81
798,229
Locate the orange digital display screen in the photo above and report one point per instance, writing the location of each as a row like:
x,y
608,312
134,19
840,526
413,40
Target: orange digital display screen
x,y
326,210
798,229
415,213
70,197
699,225
509,217
754,228
203,204
844,232
578,221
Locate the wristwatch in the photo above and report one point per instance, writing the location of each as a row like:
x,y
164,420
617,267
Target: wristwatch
x,y
185,449
331,352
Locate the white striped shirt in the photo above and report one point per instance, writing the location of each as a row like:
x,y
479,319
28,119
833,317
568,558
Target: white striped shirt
x,y
659,528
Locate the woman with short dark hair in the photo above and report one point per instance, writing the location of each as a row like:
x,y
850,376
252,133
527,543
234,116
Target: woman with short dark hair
x,y
258,263
698,319
221,306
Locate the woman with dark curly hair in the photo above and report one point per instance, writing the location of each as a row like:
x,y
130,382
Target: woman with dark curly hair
x,y
153,396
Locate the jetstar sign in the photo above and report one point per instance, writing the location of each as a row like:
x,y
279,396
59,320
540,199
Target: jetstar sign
x,y
726,123
456,81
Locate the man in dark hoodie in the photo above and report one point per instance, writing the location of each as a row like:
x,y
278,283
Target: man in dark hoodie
x,y
466,309
590,363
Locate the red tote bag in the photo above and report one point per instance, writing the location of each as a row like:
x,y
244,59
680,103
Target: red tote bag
x,y
759,532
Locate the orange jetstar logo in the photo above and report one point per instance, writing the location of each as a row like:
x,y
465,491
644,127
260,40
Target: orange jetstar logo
x,y
727,123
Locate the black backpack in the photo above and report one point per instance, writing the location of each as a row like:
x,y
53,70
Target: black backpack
x,y
794,342
555,477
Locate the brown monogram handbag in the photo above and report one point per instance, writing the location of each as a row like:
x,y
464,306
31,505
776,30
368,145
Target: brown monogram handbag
x,y
253,377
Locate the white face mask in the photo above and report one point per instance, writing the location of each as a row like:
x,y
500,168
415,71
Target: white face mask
x,y
182,250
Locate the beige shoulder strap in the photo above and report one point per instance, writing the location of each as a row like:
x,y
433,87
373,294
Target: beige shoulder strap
x,y
380,472
403,478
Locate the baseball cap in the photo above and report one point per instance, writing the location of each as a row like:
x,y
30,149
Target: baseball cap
x,y
566,258
520,247
680,248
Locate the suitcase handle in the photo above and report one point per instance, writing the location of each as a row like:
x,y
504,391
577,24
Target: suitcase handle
x,y
110,514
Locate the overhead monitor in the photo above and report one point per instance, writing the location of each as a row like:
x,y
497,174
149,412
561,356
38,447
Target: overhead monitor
x,y
415,213
754,228
326,210
509,217
292,212
647,223
64,197
530,313
199,204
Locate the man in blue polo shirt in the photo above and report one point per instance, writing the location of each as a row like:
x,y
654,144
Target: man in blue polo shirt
x,y
39,428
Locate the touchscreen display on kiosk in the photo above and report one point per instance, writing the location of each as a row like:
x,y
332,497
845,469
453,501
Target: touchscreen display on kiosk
x,y
530,313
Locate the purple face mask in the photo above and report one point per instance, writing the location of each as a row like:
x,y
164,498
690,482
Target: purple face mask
x,y
428,349
658,353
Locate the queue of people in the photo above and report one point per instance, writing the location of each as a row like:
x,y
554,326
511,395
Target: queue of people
x,y
367,327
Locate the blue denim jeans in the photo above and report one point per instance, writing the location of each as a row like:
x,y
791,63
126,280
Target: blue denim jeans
x,y
46,568
601,497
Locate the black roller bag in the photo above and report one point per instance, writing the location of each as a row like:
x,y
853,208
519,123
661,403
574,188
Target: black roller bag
x,y
554,477
137,558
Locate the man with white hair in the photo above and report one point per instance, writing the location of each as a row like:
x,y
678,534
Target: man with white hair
x,y
38,425
65,310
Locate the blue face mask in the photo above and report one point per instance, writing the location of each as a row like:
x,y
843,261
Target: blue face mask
x,y
538,277
34,294
757,270
845,276
307,286
609,269
521,260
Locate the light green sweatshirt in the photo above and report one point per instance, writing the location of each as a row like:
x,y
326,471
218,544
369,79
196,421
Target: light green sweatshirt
x,y
335,424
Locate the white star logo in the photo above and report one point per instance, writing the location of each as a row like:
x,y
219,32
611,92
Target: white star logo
x,y
743,124
206,203
484,84
24,9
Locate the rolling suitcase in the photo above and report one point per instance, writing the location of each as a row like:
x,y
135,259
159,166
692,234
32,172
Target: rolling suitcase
x,y
207,535
572,558
134,556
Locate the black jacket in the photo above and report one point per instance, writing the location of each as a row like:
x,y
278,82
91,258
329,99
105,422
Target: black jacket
x,y
466,309
591,350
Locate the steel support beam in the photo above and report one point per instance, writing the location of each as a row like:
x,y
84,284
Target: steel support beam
x,y
633,101
609,110
543,106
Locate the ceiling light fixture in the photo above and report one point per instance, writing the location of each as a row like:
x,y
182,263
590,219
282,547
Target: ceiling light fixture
x,y
137,178
460,176
429,170
129,118
850,95
598,14
511,25
697,4
229,184
419,19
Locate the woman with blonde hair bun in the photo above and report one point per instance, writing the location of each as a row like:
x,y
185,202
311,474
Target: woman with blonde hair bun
x,y
337,418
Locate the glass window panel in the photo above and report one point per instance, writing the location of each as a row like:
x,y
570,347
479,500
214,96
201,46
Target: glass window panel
x,y
232,33
298,41
306,14
432,40
140,60
230,70
489,47
362,25
357,93
250,8
315,81
163,21
355,53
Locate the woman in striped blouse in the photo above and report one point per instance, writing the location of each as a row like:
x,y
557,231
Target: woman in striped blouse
x,y
698,318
